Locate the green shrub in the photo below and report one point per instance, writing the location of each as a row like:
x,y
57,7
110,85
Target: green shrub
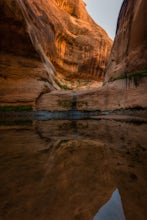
x,y
65,104
131,76
17,108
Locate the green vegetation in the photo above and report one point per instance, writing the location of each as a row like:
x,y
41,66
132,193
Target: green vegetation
x,y
18,108
70,104
62,86
65,104
136,77
82,104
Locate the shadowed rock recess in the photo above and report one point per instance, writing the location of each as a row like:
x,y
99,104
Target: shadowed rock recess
x,y
44,42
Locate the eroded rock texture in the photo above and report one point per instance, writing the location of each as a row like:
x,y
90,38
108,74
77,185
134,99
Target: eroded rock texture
x,y
125,80
37,32
22,73
129,52
128,61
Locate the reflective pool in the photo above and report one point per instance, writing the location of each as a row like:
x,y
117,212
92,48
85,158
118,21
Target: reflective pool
x,y
73,170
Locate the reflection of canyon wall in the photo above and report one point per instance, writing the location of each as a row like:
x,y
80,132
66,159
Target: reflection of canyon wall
x,y
62,32
68,170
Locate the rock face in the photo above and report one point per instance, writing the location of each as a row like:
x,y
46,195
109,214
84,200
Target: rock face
x,y
77,47
34,33
125,79
115,95
129,52
127,68
22,73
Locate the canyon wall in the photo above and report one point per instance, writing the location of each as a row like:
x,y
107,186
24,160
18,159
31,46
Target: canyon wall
x,y
43,41
129,52
125,83
127,68
63,37
23,77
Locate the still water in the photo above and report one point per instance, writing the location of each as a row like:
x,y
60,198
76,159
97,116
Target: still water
x,y
73,170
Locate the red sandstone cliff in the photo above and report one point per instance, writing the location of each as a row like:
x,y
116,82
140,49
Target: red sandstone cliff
x,y
125,79
129,52
34,32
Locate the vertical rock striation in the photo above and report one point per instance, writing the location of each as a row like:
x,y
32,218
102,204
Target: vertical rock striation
x,y
23,76
59,34
129,52
82,46
126,75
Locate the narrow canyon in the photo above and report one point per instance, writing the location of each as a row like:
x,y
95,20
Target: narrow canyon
x,y
51,50
73,112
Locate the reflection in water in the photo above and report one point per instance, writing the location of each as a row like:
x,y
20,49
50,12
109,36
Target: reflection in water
x,y
112,210
67,170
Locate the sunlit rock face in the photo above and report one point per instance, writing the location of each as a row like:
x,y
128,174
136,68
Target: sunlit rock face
x,y
129,52
77,47
125,80
37,32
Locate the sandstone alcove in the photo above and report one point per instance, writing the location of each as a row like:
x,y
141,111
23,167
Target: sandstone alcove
x,y
60,35
73,112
